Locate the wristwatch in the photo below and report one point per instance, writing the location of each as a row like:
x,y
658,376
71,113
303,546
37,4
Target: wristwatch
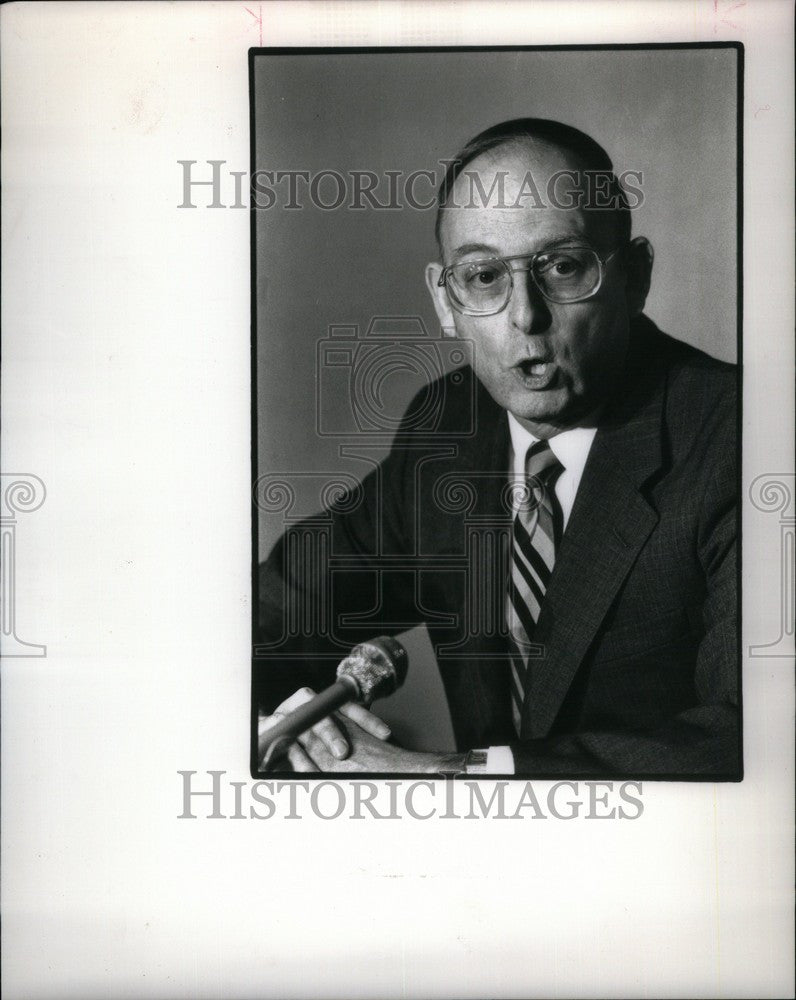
x,y
473,762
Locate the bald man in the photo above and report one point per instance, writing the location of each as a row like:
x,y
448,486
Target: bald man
x,y
591,627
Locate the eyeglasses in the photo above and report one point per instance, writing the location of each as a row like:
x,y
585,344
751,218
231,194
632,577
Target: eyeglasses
x,y
563,275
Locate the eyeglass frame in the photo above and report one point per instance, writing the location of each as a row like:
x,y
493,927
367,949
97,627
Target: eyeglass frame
x,y
531,259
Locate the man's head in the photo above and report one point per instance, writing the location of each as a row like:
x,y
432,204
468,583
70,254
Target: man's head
x,y
550,331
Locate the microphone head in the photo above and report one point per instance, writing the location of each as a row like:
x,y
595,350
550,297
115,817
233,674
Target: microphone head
x,y
377,667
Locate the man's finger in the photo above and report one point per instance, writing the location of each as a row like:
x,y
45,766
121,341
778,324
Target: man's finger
x,y
318,751
269,721
332,737
367,720
299,760
299,697
326,730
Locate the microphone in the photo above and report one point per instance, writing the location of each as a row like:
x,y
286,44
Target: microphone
x,y
371,670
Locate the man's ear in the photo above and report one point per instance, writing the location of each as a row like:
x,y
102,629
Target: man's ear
x,y
638,267
439,297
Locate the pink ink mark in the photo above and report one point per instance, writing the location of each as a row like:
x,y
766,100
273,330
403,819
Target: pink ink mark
x,y
727,7
765,107
258,19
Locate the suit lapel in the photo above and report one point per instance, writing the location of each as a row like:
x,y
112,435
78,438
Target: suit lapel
x,y
610,522
479,462
472,663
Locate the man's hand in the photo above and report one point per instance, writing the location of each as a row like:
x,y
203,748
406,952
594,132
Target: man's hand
x,y
352,740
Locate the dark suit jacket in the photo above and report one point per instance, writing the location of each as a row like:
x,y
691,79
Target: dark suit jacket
x,y
637,668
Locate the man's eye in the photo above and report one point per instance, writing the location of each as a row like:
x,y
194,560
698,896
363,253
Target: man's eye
x,y
482,277
560,266
565,266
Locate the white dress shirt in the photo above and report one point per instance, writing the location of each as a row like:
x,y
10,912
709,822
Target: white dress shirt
x,y
571,448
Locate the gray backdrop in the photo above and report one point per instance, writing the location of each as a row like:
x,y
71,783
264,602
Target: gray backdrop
x,y
669,113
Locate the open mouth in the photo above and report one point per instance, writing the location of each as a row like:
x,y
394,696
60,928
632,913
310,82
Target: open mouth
x,y
534,367
535,374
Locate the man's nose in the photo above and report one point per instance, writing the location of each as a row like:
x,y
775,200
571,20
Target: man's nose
x,y
528,310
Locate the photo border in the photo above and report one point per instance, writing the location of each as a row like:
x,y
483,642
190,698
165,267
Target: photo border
x,y
257,52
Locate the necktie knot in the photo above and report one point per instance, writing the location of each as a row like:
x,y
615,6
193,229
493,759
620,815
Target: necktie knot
x,y
541,470
540,461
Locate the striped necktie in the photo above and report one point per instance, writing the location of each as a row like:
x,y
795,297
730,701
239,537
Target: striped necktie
x,y
536,524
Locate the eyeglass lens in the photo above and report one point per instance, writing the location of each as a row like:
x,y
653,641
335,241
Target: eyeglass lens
x,y
561,275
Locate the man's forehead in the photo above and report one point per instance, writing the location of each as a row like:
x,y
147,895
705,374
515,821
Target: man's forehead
x,y
507,232
517,157
501,201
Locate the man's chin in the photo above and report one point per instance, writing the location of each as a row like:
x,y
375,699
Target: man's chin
x,y
547,407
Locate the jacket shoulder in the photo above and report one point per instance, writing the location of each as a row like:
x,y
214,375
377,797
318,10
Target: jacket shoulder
x,y
451,404
701,395
693,373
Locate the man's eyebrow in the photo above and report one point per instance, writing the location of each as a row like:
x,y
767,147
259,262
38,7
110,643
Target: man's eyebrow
x,y
564,239
475,248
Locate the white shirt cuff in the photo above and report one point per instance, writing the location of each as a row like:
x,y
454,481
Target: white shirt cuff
x,y
499,760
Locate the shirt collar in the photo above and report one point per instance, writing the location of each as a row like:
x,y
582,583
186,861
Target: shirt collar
x,y
570,447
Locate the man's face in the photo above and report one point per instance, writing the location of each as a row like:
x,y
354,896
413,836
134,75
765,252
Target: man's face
x,y
549,364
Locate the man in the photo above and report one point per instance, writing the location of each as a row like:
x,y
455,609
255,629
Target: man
x,y
611,568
